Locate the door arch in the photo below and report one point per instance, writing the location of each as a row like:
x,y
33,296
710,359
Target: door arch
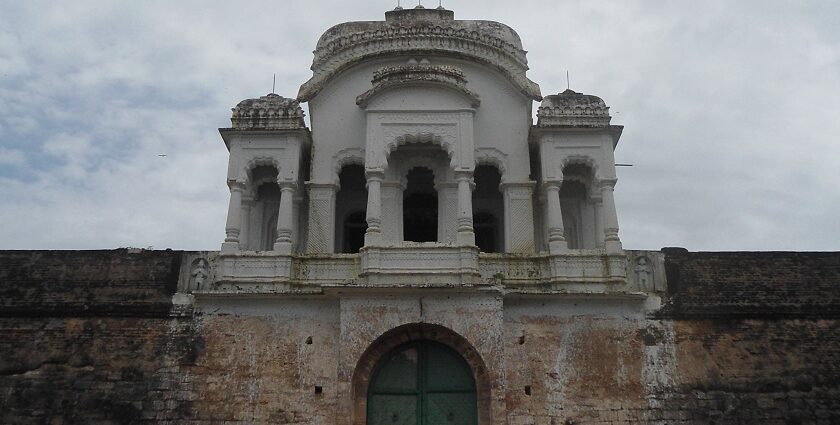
x,y
422,383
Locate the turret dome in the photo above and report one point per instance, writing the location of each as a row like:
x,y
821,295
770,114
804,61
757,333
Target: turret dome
x,y
269,112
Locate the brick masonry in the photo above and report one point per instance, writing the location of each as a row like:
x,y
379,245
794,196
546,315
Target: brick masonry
x,y
741,338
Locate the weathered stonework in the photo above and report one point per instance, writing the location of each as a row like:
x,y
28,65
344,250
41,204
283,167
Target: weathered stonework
x,y
763,345
422,210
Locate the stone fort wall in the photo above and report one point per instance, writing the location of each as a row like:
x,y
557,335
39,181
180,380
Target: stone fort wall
x,y
94,337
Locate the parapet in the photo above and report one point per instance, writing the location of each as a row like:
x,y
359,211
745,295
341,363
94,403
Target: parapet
x,y
269,112
572,109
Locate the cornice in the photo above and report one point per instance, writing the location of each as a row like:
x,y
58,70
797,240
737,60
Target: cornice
x,y
395,76
345,51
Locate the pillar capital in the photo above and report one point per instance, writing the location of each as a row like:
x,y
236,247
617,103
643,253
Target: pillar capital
x,y
553,184
377,174
463,173
236,185
607,183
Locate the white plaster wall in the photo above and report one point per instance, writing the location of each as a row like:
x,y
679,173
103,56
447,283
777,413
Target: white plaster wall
x,y
502,121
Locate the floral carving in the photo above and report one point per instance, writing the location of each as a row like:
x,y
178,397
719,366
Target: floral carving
x,y
572,109
269,112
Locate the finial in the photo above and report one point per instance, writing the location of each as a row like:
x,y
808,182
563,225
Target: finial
x,y
568,84
273,82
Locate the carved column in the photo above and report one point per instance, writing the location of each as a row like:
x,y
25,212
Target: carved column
x,y
519,217
447,211
234,218
466,234
599,222
610,217
373,235
392,213
321,229
245,234
296,230
285,215
556,234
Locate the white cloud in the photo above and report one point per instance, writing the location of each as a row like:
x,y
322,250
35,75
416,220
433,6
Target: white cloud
x,y
730,112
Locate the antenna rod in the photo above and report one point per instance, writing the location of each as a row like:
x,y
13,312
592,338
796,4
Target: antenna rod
x,y
273,82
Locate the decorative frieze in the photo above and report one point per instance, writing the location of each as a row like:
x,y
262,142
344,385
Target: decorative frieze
x,y
392,76
572,109
269,112
408,31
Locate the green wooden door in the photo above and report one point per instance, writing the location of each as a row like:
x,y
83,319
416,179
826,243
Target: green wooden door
x,y
422,383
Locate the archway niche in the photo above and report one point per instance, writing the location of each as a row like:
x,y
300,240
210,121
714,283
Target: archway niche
x,y
578,207
419,194
394,348
262,219
488,209
420,206
350,207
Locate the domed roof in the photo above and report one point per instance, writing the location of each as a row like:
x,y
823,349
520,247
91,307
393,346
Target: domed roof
x,y
419,30
269,112
573,109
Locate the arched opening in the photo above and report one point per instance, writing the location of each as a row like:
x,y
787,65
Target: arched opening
x,y
266,204
488,207
354,232
390,348
577,207
420,206
422,382
486,232
350,207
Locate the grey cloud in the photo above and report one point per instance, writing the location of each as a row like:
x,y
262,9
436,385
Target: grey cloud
x,y
730,111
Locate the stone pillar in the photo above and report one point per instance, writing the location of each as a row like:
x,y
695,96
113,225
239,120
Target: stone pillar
x,y
466,234
556,234
234,218
245,234
321,229
611,241
392,213
296,230
599,222
285,215
519,217
373,235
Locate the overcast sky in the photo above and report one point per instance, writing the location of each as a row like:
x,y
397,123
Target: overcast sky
x,y
731,111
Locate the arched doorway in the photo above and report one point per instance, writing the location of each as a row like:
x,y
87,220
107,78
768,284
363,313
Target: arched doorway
x,y
422,383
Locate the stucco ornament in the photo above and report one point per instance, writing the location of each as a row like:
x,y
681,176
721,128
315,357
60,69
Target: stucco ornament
x,y
424,74
269,112
573,109
419,31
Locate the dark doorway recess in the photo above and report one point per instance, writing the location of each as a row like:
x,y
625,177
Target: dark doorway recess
x,y
420,207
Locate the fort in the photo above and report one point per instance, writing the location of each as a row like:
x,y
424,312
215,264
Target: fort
x,y
423,252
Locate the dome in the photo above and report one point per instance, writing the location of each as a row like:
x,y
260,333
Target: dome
x,y
269,112
420,30
573,109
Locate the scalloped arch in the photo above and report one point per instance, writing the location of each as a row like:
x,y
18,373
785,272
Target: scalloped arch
x,y
444,142
347,156
581,160
254,162
493,157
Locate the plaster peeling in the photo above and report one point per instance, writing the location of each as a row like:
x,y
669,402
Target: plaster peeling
x,y
660,365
